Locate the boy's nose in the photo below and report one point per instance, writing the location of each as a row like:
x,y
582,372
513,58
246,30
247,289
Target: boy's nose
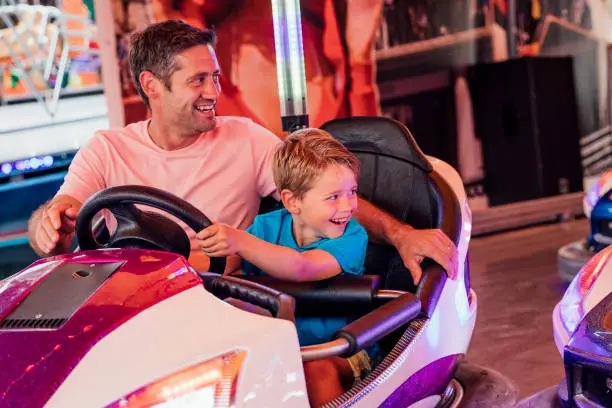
x,y
345,204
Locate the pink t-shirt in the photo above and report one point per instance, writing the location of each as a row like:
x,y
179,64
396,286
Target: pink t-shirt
x,y
224,174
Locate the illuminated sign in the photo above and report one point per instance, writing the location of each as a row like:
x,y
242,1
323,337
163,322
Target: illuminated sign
x,y
34,164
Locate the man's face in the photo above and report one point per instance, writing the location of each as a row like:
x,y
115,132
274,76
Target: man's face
x,y
189,104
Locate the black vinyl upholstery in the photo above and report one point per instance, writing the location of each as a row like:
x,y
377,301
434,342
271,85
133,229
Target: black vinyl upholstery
x,y
396,177
337,296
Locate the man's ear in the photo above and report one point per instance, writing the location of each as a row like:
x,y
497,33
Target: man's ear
x,y
150,84
290,201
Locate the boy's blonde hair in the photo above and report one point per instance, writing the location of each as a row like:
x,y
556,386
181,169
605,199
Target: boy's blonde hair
x,y
304,155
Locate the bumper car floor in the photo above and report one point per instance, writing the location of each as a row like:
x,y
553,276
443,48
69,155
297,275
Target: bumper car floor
x,y
515,275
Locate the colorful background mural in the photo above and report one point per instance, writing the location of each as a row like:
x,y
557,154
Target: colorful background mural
x,y
413,60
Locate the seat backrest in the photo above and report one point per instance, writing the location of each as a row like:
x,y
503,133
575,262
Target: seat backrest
x,y
395,176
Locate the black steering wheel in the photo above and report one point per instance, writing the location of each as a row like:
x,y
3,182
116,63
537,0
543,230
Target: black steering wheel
x,y
143,229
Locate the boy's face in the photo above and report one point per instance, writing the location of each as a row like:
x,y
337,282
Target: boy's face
x,y
325,210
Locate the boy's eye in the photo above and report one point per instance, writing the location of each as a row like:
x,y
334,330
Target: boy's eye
x,y
333,197
353,192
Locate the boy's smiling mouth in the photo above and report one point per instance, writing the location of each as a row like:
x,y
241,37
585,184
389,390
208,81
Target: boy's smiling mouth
x,y
340,220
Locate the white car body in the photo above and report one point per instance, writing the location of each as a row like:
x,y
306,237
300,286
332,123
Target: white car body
x,y
564,323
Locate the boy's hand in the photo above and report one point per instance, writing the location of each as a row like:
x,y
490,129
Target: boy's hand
x,y
219,240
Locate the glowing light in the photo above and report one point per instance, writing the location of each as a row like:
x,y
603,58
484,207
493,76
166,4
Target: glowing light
x,y
32,163
48,161
22,165
289,57
203,385
178,273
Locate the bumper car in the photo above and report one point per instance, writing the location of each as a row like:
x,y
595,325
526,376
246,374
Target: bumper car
x,y
598,208
582,326
125,321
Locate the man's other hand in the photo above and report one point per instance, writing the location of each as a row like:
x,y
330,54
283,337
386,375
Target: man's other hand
x,y
414,245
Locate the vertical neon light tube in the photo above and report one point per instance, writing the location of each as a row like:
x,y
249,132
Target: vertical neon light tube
x,y
290,64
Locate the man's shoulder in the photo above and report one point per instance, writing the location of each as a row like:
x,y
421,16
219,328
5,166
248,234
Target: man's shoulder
x,y
134,130
234,121
243,127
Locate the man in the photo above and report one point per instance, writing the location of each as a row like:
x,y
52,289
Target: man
x,y
221,165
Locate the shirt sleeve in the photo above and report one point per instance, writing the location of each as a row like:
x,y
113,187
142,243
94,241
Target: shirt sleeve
x,y
86,171
257,230
264,144
349,249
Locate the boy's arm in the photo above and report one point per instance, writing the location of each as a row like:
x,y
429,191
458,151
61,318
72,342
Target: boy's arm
x,y
232,264
287,263
277,261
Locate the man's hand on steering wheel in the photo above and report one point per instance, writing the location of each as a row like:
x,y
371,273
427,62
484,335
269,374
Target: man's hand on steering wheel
x,y
56,226
414,245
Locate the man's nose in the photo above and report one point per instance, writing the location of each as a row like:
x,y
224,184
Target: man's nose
x,y
211,88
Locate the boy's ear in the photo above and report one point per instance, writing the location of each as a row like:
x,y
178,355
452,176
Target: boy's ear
x,y
290,201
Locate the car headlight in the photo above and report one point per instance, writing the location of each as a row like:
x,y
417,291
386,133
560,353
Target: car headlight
x,y
211,384
572,304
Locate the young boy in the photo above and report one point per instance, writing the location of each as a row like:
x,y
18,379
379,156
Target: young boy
x,y
314,237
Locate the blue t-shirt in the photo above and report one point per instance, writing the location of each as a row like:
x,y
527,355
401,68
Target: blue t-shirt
x,y
349,250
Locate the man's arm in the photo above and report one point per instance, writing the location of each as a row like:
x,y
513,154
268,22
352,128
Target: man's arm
x,y
413,245
51,227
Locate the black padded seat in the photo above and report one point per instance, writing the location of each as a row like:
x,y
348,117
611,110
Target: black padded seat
x,y
398,178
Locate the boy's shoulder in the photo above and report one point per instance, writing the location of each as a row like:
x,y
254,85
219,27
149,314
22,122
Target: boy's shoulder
x,y
272,216
270,222
354,227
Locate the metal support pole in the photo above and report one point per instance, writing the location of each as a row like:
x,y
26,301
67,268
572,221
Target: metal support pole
x,y
290,64
511,29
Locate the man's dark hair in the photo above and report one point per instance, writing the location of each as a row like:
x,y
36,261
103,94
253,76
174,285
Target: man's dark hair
x,y
154,48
